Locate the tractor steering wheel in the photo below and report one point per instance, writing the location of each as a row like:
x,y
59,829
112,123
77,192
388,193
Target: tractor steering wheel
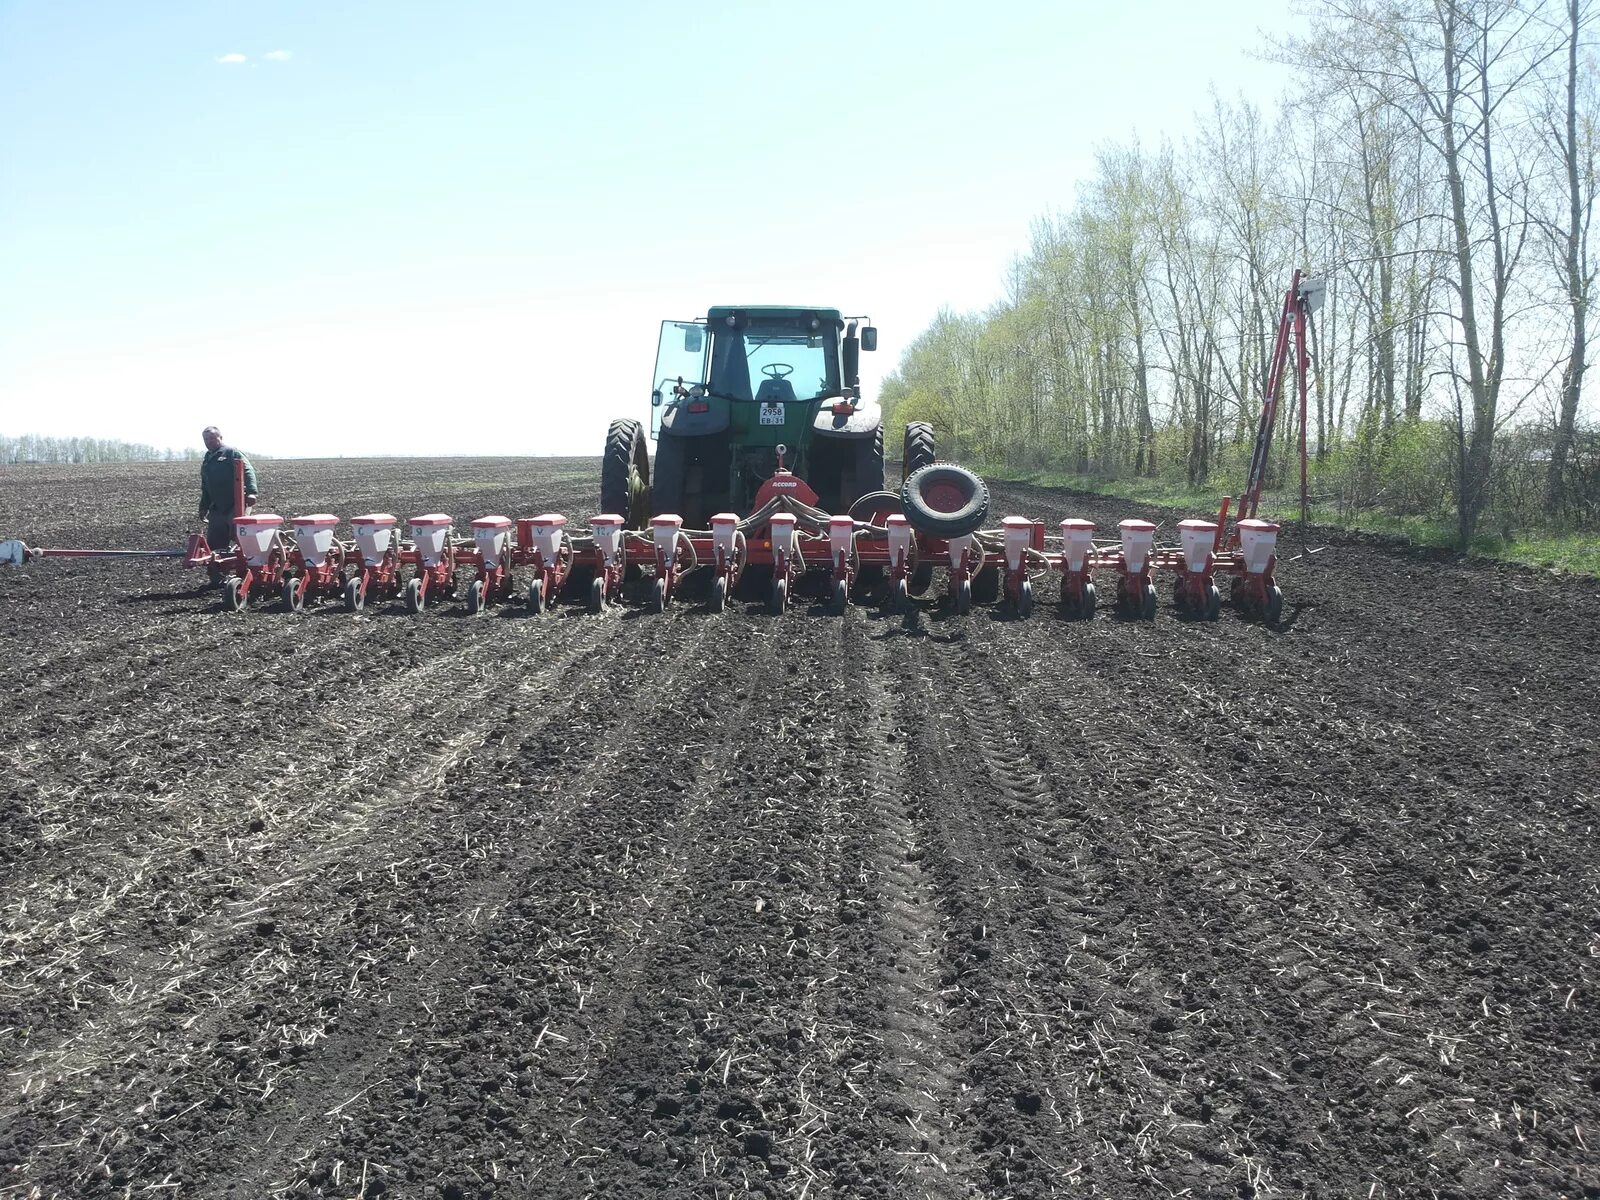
x,y
777,370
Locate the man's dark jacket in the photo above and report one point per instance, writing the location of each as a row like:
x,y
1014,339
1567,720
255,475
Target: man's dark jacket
x,y
216,481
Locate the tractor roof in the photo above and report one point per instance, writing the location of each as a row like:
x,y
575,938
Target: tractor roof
x,y
720,311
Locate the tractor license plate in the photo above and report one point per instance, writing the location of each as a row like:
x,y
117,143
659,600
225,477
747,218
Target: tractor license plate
x,y
772,414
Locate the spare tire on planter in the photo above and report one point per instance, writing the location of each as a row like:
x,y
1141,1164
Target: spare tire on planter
x,y
944,500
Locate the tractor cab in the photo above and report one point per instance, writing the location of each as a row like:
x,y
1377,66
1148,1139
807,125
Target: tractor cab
x,y
731,388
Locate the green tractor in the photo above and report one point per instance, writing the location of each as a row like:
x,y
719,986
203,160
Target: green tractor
x,y
730,393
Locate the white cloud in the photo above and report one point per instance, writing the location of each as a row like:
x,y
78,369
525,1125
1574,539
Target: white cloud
x,y
231,58
277,55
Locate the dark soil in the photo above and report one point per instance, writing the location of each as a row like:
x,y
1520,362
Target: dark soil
x,y
695,905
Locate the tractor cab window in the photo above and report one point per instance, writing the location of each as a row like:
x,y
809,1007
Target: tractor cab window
x,y
681,354
773,360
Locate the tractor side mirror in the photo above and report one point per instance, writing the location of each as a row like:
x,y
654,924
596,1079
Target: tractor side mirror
x,y
693,339
869,338
655,398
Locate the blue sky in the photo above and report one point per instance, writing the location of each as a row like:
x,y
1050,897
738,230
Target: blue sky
x,y
410,228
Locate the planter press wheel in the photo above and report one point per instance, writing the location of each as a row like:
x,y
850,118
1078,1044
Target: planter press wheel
x,y
1274,605
475,597
719,593
234,595
963,596
354,600
1147,603
1213,602
778,597
899,596
536,596
294,596
415,600
840,601
597,594
1025,599
658,594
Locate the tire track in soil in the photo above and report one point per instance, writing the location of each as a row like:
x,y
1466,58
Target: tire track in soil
x,y
907,981
774,1081
1046,975
235,934
1302,943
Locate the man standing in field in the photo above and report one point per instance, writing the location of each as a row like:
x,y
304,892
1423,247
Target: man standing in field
x,y
216,488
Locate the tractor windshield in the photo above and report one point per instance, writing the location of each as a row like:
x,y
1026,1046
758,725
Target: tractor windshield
x,y
773,359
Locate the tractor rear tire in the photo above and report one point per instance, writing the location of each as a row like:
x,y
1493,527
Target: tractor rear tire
x,y
918,451
869,466
625,474
944,500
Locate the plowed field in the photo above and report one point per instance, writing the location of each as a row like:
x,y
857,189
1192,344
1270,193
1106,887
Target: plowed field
x,y
721,905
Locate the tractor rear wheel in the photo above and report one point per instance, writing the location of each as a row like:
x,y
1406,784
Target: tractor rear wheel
x,y
625,474
918,450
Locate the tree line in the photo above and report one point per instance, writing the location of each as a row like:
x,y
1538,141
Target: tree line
x,y
1435,167
37,448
